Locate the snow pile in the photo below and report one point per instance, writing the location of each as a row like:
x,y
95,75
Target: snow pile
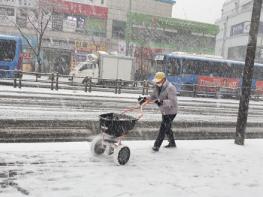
x,y
196,168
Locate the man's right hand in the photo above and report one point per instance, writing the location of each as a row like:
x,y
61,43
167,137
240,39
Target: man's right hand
x,y
142,100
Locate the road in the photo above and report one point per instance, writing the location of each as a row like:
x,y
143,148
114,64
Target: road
x,y
25,109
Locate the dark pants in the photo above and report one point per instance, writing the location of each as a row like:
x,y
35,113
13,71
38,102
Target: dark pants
x,y
165,129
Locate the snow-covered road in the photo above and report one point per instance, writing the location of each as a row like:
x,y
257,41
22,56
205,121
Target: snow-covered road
x,y
57,115
216,168
43,104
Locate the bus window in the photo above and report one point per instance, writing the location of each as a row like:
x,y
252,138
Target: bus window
x,y
173,67
10,55
7,50
258,73
237,70
203,68
189,67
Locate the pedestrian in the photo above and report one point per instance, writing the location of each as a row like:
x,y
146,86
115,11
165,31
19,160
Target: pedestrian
x,y
164,95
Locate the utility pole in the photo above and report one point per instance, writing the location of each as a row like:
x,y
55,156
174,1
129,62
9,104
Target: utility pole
x,y
248,74
127,41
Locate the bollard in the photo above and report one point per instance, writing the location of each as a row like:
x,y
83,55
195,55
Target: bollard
x,y
15,83
20,79
36,77
194,90
116,87
217,95
143,88
86,84
119,90
72,83
52,81
147,87
56,81
90,82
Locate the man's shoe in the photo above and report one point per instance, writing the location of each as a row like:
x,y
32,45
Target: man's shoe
x,y
155,148
170,146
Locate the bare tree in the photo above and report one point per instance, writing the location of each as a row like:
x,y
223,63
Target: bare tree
x,y
37,20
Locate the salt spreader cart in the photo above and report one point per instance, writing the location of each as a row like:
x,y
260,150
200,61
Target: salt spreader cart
x,y
113,128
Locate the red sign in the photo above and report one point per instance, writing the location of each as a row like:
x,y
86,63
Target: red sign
x,y
214,82
259,87
73,8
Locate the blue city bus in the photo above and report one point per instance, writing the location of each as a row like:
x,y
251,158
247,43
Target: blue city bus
x,y
10,55
204,73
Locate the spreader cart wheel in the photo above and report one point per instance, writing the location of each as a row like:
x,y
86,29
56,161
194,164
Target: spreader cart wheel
x,y
121,155
97,147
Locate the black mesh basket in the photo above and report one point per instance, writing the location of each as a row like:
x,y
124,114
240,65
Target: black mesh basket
x,y
116,124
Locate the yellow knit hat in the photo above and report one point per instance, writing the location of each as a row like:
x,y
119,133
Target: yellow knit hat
x,y
159,76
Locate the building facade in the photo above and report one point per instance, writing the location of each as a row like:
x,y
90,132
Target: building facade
x,y
78,27
234,25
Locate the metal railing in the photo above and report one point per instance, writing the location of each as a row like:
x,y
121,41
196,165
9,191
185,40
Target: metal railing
x,y
56,81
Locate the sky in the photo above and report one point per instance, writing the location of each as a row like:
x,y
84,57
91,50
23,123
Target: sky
x,y
198,10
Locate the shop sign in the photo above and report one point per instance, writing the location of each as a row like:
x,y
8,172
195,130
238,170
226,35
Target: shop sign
x,y
58,44
237,29
168,1
244,27
7,16
73,8
69,25
84,46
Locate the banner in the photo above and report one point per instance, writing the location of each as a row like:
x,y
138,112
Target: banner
x,y
259,87
72,8
211,84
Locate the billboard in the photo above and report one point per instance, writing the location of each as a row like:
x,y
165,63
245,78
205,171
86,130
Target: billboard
x,y
80,9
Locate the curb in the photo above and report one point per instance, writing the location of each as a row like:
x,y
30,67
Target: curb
x,y
84,130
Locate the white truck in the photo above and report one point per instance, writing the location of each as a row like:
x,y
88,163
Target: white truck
x,y
105,67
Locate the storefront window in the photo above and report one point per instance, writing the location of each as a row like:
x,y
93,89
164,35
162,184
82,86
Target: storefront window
x,y
118,29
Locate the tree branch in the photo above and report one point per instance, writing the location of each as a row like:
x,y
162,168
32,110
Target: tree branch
x,y
33,25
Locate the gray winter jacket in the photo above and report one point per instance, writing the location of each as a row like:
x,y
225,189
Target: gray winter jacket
x,y
166,94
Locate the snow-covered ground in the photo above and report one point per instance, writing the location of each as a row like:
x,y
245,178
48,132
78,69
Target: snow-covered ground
x,y
212,168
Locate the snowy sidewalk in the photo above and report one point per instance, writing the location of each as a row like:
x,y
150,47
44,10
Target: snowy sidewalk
x,y
212,168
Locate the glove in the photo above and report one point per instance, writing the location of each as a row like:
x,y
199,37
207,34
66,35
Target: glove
x,y
158,102
142,100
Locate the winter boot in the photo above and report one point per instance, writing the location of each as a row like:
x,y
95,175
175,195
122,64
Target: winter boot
x,y
170,145
155,149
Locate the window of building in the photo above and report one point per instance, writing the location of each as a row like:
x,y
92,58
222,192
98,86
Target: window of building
x,y
95,27
118,29
237,53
